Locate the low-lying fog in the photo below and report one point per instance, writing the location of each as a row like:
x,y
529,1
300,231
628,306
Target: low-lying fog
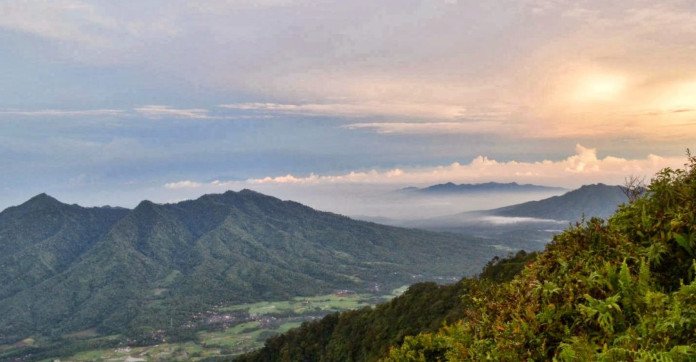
x,y
380,202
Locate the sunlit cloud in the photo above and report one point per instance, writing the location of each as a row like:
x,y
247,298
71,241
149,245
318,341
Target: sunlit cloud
x,y
555,68
160,111
583,167
364,109
186,184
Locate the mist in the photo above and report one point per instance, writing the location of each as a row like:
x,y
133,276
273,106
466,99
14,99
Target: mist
x,y
385,202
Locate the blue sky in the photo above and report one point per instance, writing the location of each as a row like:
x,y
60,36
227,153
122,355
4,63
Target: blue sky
x,y
112,102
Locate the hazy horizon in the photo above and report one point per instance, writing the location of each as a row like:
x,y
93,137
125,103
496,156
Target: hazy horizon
x,y
373,203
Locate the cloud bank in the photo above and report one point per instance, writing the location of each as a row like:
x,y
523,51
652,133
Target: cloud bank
x,y
584,167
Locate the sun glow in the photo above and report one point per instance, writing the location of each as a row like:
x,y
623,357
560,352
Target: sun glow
x,y
599,88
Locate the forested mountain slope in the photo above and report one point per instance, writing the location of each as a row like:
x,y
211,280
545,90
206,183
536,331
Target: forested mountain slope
x,y
149,269
367,334
616,290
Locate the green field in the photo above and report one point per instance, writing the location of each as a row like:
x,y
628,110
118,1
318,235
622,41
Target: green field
x,y
260,321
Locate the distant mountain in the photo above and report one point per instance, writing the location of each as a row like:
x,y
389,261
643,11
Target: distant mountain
x,y
65,268
529,225
590,200
452,188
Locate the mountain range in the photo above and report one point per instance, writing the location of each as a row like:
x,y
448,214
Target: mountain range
x,y
452,188
66,268
529,225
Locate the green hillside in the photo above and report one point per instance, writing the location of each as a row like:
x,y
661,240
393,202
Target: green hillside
x,y
597,200
144,273
43,238
367,334
616,290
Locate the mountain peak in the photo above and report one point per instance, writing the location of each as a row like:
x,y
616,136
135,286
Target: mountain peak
x,y
42,200
43,196
145,204
249,192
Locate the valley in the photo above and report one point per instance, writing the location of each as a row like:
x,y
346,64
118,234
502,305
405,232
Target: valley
x,y
223,331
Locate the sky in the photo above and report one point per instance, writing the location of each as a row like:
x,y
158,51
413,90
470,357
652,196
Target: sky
x,y
105,102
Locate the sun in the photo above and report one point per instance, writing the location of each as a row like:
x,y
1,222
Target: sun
x,y
599,87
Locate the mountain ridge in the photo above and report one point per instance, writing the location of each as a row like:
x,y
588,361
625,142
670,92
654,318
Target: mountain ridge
x,y
233,247
452,188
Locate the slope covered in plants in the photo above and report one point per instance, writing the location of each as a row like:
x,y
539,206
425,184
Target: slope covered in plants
x,y
367,334
615,290
144,273
621,289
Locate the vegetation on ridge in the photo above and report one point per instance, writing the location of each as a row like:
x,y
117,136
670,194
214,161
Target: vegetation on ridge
x,y
617,290
367,333
623,289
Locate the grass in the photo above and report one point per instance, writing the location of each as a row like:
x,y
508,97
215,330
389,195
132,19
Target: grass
x,y
304,305
266,319
189,351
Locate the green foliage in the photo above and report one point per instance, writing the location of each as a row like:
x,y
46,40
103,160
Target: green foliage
x,y
607,291
504,269
367,334
144,273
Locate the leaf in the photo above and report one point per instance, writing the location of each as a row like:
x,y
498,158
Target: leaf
x,y
684,242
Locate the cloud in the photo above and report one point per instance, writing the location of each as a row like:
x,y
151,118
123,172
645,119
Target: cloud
x,y
185,184
464,127
583,167
560,68
64,20
505,220
160,111
363,109
63,112
76,23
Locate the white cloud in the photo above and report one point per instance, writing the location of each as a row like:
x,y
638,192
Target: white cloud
x,y
584,167
464,127
185,184
160,111
64,20
63,112
362,109
504,220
